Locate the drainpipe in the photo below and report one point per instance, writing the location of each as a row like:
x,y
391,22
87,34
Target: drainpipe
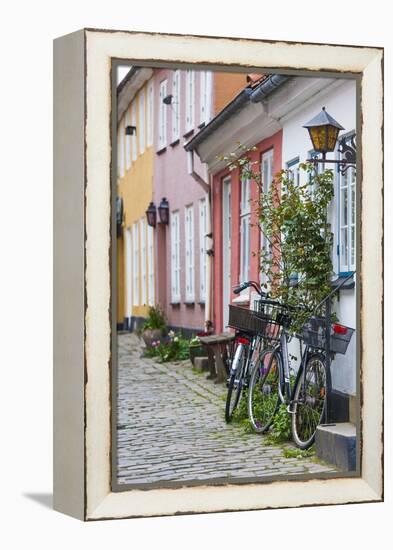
x,y
208,239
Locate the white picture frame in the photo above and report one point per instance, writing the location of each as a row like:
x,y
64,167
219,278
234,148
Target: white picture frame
x,y
82,243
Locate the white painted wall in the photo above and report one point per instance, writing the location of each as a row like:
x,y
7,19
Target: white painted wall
x,y
339,98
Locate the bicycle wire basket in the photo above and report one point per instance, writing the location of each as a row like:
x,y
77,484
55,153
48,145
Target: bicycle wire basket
x,y
245,320
313,333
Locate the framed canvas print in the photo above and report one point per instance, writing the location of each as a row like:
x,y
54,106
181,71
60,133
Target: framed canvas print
x,y
218,274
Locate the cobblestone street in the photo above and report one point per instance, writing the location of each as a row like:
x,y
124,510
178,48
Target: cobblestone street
x,y
171,427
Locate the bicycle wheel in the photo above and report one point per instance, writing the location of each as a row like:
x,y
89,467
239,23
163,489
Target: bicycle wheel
x,y
263,392
309,401
235,385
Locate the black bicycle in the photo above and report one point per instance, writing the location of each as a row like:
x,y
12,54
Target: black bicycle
x,y
304,394
245,350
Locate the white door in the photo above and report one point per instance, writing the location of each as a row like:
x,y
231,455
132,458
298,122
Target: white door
x,y
226,248
128,274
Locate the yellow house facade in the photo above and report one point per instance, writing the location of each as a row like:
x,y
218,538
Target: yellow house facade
x,y
135,242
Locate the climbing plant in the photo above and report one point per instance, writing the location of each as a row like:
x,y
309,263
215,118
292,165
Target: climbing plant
x,y
295,264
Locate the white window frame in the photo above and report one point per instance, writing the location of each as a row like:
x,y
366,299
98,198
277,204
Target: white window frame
x,y
135,264
205,96
162,116
121,148
346,226
202,249
128,140
150,264
142,121
134,151
150,113
118,151
142,229
267,179
245,218
190,253
175,257
190,100
176,106
294,171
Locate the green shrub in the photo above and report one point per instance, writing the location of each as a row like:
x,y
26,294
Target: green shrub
x,y
155,319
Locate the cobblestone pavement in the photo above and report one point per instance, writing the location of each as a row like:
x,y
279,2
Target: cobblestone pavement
x,y
171,427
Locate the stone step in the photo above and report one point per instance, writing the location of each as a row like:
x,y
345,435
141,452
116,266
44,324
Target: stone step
x,y
201,363
336,443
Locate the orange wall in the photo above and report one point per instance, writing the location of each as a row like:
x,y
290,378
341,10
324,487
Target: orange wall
x,y
226,87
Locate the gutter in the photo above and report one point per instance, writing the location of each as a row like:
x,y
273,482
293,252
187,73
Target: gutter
x,y
267,87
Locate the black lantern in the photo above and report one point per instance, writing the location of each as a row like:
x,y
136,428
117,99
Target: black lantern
x,y
151,215
130,130
324,130
163,211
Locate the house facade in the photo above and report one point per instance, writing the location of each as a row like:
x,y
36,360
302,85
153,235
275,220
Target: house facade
x,y
135,238
269,114
185,101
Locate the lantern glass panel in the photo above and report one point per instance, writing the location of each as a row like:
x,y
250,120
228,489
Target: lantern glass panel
x,y
332,134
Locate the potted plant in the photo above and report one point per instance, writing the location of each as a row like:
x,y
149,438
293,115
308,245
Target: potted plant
x,y
154,326
197,349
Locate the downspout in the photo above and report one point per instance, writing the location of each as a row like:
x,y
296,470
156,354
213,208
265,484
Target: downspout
x,y
208,239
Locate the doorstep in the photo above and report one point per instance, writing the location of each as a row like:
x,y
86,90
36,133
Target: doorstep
x,y
336,444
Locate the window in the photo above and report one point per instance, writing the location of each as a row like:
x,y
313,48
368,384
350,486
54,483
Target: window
x,y
245,214
190,263
293,168
175,257
141,126
202,249
128,141
133,123
135,264
142,225
317,168
150,264
150,114
205,96
176,106
190,99
120,145
118,152
347,218
162,111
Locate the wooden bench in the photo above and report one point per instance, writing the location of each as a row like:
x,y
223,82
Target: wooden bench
x,y
216,345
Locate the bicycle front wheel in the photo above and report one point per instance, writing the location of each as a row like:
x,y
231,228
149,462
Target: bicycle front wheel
x,y
309,401
263,392
235,384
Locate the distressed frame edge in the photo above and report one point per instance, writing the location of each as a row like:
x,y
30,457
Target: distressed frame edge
x,y
376,492
69,490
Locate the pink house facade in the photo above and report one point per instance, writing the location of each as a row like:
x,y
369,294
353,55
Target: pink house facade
x,y
185,101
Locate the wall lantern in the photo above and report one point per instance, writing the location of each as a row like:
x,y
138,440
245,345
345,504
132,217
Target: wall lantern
x,y
168,99
151,215
130,130
323,131
163,211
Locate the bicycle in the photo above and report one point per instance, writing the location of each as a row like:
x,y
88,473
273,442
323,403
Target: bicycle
x,y
246,346
270,382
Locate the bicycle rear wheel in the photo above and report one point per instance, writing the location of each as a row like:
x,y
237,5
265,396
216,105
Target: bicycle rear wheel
x,y
309,401
263,392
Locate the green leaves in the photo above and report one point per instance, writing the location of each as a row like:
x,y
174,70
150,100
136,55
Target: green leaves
x,y
293,221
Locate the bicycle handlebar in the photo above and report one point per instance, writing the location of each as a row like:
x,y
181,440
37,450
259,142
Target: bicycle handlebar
x,y
247,284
